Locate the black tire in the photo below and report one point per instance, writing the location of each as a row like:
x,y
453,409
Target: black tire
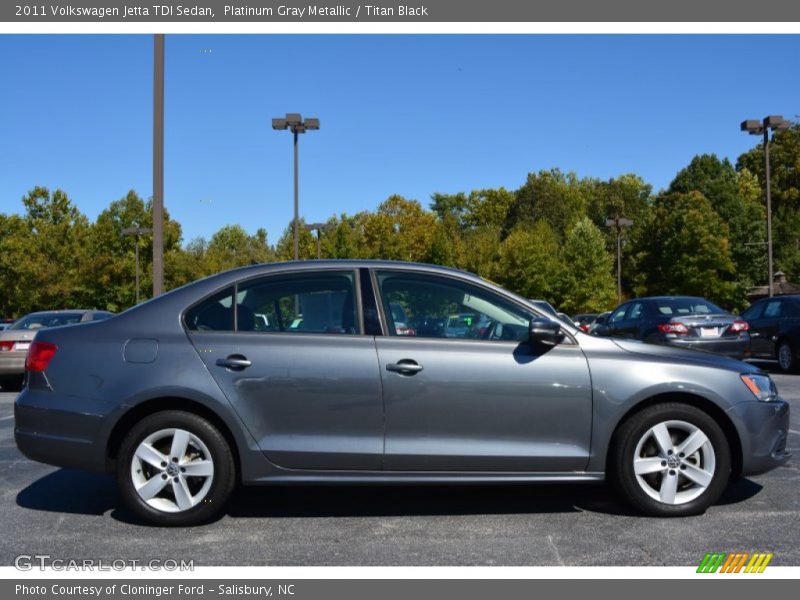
x,y
628,436
787,362
224,468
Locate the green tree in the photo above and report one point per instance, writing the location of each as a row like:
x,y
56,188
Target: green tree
x,y
560,199
42,252
784,152
683,249
730,196
529,263
588,282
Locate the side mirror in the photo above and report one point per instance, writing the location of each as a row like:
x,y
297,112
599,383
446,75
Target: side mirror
x,y
545,331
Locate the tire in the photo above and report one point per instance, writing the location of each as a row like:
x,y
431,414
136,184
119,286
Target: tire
x,y
162,491
786,357
664,483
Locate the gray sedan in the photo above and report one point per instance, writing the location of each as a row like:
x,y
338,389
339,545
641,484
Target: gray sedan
x,y
184,395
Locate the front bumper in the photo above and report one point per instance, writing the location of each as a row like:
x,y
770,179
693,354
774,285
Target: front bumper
x,y
763,430
65,431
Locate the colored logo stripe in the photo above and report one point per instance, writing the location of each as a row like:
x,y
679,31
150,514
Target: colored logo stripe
x,y
734,562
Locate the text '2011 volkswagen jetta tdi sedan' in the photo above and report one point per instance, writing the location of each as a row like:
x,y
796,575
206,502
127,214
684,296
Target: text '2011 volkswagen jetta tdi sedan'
x,y
297,373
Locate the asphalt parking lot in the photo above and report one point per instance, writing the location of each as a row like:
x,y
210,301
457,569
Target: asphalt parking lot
x,y
72,515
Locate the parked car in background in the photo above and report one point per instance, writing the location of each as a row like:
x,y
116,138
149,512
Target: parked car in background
x,y
583,321
5,323
775,330
16,339
685,321
550,310
598,322
195,400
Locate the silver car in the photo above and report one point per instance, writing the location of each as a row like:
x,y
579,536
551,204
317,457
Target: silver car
x,y
186,394
16,338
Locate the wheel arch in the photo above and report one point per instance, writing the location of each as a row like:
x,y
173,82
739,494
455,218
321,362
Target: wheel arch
x,y
704,404
161,404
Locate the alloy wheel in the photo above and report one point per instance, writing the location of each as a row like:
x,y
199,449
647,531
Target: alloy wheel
x,y
172,470
674,462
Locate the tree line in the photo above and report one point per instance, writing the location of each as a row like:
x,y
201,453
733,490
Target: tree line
x,y
703,235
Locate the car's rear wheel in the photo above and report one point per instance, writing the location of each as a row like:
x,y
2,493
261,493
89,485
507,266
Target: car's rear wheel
x,y
786,359
175,468
671,460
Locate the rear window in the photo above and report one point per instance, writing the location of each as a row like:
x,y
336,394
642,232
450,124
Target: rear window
x,y
687,306
45,320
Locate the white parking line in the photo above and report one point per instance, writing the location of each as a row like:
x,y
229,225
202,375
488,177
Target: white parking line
x,y
12,416
790,431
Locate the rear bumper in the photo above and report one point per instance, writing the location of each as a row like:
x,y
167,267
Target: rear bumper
x,y
763,430
12,363
64,431
735,348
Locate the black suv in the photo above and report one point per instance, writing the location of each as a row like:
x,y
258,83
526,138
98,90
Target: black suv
x,y
684,321
775,330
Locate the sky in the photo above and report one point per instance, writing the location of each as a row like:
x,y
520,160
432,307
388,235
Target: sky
x,y
400,114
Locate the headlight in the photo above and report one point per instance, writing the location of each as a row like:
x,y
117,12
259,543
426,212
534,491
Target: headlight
x,y
762,386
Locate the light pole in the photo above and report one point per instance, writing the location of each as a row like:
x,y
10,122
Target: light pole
x,y
756,127
319,228
618,223
158,164
294,122
137,231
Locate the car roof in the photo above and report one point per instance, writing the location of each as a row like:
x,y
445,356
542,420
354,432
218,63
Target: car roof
x,y
61,311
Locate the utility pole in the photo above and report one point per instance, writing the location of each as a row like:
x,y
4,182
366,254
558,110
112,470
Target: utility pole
x,y
618,223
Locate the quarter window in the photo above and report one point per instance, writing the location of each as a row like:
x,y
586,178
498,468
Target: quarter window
x,y
773,309
213,314
420,305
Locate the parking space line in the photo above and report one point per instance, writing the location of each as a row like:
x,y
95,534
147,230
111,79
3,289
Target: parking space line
x,y
12,416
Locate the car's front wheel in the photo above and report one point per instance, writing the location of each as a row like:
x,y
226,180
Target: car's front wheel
x,y
671,460
175,468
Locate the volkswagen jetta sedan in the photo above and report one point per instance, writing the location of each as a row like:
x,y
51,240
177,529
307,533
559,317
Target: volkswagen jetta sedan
x,y
189,393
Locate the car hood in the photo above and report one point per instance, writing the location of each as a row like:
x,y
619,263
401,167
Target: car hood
x,y
685,355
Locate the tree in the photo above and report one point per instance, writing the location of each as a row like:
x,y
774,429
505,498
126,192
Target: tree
x,y
529,263
399,230
42,251
730,197
683,249
588,283
552,196
784,152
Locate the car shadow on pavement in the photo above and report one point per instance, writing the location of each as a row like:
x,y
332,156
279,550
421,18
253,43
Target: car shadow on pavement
x,y
76,492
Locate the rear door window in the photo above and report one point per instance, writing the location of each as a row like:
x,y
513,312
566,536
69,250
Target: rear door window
x,y
773,310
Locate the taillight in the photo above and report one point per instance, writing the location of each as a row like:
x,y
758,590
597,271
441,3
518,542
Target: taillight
x,y
673,328
584,328
6,346
39,355
740,326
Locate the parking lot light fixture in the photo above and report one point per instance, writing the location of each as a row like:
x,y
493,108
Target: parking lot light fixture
x,y
619,223
319,228
294,123
137,232
756,127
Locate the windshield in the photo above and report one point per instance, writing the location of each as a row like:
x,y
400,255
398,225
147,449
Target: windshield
x,y
44,320
687,306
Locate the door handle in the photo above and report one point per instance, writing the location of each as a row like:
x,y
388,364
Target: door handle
x,y
404,367
235,362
